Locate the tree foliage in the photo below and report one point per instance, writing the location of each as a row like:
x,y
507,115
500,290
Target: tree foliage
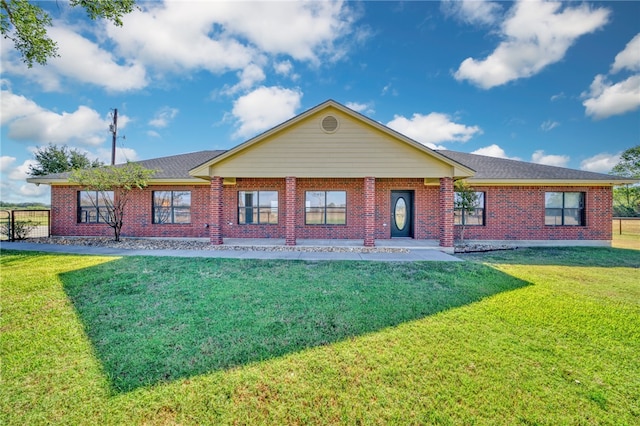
x,y
466,200
122,180
59,159
626,198
26,23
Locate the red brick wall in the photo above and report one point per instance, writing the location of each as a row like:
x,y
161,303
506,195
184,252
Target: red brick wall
x,y
425,207
517,213
137,218
513,213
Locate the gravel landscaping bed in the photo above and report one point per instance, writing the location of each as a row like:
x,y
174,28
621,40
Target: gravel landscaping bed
x,y
473,248
160,244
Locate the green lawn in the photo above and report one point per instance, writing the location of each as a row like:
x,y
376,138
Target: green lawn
x,y
538,336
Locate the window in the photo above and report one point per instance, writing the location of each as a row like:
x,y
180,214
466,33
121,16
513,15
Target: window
x,y
476,217
259,207
564,208
171,207
94,206
325,207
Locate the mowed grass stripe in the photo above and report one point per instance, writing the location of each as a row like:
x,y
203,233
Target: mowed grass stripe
x,y
550,351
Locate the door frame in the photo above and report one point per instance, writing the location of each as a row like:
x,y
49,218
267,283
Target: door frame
x,y
409,196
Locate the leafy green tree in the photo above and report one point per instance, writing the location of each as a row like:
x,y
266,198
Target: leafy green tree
x,y
466,200
59,159
122,180
626,199
25,23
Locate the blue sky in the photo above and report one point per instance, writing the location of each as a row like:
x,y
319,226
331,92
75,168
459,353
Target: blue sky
x,y
552,83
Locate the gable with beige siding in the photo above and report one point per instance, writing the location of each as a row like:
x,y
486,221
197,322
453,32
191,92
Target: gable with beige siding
x,y
356,148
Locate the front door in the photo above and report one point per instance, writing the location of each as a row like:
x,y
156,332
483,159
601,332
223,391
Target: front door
x,y
401,214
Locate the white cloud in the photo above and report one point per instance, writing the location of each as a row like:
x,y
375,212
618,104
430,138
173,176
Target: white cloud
x,y
629,58
264,108
493,151
283,68
223,36
433,128
366,108
27,121
163,117
6,162
605,99
539,157
600,163
13,106
536,34
21,172
153,134
83,60
475,12
549,125
32,191
248,77
557,97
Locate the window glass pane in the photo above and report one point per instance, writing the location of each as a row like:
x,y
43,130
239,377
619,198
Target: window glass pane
x,y
336,216
553,199
162,215
475,218
315,215
162,198
182,199
457,217
181,215
242,215
479,200
268,198
573,217
573,200
336,199
314,199
553,217
86,198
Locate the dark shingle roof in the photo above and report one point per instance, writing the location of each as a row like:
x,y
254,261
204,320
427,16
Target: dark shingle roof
x,y
171,167
178,166
501,168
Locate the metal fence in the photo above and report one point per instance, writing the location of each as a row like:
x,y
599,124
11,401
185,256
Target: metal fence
x,y
626,225
23,224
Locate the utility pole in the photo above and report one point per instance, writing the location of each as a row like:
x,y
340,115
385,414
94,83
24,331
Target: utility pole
x,y
113,128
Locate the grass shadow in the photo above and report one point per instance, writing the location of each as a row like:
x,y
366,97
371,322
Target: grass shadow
x,y
154,319
602,257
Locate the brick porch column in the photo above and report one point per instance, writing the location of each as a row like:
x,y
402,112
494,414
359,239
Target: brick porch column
x,y
290,211
215,214
369,211
446,212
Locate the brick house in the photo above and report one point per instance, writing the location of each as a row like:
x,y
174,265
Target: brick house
x,y
332,173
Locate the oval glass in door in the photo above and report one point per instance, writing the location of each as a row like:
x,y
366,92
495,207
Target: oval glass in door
x,y
400,213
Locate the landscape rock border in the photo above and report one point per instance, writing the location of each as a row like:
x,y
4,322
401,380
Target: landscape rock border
x,y
160,244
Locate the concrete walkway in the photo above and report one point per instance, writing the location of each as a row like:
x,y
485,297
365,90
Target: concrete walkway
x,y
413,255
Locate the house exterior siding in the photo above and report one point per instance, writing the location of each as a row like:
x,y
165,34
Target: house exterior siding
x,y
137,217
517,213
512,212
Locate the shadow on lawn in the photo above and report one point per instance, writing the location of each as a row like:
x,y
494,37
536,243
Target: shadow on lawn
x,y
602,257
157,319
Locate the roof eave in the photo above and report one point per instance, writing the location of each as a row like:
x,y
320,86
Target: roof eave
x,y
550,182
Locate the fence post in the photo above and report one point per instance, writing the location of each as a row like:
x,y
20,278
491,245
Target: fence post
x,y
620,226
12,226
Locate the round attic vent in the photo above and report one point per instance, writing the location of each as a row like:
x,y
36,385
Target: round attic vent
x,y
329,124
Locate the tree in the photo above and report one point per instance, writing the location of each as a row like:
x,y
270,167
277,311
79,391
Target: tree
x,y
122,180
465,200
627,198
25,23
55,159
